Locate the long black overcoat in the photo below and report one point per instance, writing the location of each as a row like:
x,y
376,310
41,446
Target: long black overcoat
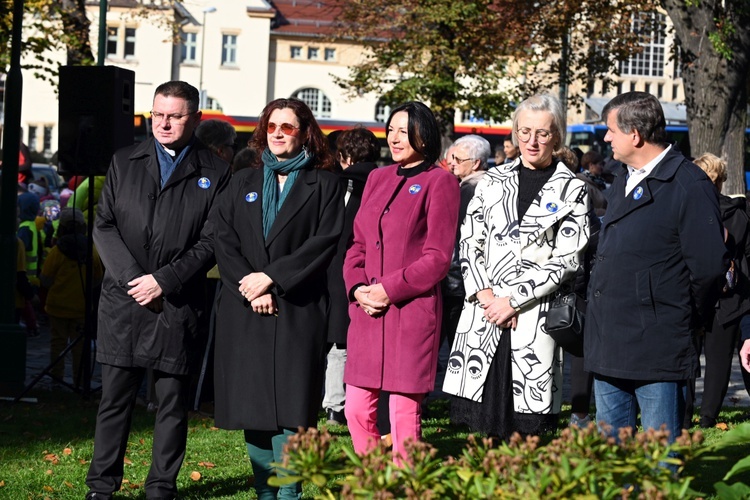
x,y
269,368
142,228
352,179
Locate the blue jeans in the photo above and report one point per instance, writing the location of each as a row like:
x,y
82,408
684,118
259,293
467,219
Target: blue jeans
x,y
661,403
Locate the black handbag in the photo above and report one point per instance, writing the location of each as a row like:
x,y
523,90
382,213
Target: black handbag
x,y
565,321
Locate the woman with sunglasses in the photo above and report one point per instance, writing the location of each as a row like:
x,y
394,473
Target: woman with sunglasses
x,y
276,230
401,249
525,233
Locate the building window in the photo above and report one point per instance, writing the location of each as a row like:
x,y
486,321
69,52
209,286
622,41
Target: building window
x,y
675,91
228,50
47,139
189,47
296,52
31,141
660,90
650,61
382,111
312,52
330,55
316,100
632,86
129,42
112,38
619,87
677,64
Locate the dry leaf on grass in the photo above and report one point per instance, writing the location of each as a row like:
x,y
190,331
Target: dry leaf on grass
x,y
207,465
68,484
67,451
127,461
51,457
142,441
82,461
48,472
2,483
722,426
48,488
195,475
214,428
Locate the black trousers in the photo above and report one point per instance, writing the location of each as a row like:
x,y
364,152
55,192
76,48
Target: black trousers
x,y
119,389
719,345
581,384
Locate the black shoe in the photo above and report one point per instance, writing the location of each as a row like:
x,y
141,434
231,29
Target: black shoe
x,y
93,495
335,417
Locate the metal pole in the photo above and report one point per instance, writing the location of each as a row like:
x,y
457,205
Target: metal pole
x,y
207,10
203,47
102,33
13,364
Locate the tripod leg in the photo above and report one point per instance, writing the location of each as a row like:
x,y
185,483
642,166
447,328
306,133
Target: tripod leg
x,y
209,343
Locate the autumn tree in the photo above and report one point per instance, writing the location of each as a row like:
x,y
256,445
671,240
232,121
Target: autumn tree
x,y
714,41
483,55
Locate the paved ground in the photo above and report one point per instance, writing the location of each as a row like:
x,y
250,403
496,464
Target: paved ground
x,y
37,359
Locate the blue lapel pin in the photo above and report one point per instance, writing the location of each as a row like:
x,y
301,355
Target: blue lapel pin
x,y
414,188
638,193
204,183
251,197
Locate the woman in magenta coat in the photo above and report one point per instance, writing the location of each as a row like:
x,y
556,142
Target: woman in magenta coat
x,y
401,249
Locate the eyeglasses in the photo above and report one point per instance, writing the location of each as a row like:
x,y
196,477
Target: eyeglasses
x,y
542,136
461,160
286,128
174,117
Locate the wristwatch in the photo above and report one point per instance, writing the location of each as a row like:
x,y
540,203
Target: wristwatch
x,y
513,303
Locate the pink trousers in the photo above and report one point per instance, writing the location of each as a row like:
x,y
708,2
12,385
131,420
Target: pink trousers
x,y
361,415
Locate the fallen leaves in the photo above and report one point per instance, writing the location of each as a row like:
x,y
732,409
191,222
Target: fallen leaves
x,y
51,457
195,475
722,426
67,451
127,461
207,465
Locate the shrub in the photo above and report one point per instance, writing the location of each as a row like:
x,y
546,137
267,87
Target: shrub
x,y
577,464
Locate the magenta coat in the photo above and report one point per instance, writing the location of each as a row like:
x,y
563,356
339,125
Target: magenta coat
x,y
404,235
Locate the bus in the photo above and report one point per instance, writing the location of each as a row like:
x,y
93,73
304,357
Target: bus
x,y
590,136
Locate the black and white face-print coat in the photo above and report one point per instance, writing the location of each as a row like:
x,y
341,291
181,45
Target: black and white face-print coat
x,y
529,259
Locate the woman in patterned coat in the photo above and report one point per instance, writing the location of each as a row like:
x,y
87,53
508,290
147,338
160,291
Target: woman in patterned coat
x,y
524,235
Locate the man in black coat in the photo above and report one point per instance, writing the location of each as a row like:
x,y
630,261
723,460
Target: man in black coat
x,y
659,264
153,236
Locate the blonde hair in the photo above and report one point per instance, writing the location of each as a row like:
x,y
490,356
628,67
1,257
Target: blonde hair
x,y
715,168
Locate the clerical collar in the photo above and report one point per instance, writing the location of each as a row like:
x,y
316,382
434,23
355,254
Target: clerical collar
x,y
411,172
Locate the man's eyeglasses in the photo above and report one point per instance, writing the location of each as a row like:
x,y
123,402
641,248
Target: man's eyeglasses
x,y
542,136
158,117
286,128
461,160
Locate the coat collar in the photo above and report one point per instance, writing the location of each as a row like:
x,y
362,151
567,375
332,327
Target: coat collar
x,y
620,205
199,158
302,190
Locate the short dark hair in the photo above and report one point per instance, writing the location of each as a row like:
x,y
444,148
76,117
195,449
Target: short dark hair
x,y
245,158
215,133
359,144
183,90
508,138
423,130
591,157
639,111
313,137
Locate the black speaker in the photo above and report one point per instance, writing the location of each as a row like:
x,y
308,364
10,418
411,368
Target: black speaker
x,y
96,117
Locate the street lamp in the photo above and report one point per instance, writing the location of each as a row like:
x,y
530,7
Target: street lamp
x,y
207,10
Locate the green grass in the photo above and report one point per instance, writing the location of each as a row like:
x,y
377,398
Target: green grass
x,y
45,450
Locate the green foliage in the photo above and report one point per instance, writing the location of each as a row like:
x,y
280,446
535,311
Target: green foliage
x,y
577,464
483,55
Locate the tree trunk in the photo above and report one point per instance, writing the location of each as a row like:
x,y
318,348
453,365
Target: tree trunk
x,y
715,85
77,27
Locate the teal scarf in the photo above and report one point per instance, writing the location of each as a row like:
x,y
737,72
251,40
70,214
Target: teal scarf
x,y
272,201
